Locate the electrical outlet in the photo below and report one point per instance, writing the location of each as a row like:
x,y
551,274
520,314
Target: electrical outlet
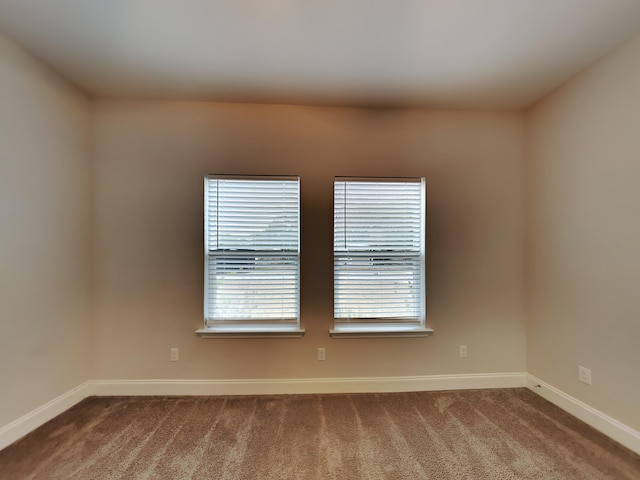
x,y
463,351
175,354
322,354
584,375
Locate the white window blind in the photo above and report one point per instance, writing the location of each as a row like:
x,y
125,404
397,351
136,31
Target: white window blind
x,y
252,246
379,251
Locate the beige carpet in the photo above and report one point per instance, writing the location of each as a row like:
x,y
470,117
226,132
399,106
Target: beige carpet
x,y
482,434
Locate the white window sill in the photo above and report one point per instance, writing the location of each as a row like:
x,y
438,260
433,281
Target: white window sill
x,y
379,331
250,332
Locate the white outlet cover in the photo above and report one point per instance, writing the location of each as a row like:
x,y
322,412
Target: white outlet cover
x,y
584,375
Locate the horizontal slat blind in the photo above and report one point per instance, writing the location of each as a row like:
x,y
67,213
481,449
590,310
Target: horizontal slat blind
x,y
252,250
379,250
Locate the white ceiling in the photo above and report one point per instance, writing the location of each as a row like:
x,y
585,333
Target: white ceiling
x,y
437,53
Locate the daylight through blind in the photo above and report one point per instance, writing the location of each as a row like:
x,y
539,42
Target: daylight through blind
x,y
379,250
252,250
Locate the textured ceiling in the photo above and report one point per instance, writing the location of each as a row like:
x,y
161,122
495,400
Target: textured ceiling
x,y
436,53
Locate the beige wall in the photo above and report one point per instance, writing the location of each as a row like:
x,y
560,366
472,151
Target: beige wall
x,y
584,235
150,159
45,235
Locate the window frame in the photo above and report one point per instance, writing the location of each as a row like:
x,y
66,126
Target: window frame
x,y
380,325
254,326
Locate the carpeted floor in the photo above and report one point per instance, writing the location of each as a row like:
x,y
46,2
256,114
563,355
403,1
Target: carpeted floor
x,y
476,435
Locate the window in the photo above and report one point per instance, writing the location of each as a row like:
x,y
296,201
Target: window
x,y
379,256
252,252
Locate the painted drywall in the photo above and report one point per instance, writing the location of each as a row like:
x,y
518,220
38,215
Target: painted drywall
x,y
150,159
583,236
45,239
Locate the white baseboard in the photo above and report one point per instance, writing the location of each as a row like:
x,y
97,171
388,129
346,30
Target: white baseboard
x,y
32,420
306,385
611,427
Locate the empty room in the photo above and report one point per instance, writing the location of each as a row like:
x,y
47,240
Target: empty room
x,y
354,239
